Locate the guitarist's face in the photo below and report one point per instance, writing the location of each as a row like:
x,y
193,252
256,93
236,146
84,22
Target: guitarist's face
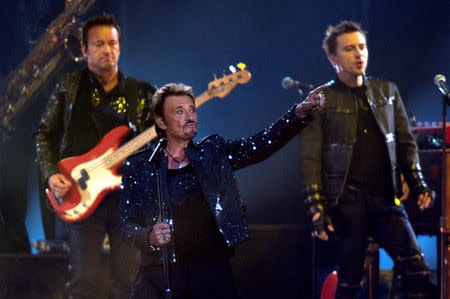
x,y
180,118
103,50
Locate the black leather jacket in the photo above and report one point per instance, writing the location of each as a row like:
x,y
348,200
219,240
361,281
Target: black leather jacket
x,y
51,135
214,160
327,143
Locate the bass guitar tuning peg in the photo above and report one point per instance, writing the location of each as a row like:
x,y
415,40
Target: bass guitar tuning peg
x,y
241,66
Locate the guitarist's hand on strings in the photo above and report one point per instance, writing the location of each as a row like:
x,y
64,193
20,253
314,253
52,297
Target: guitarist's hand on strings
x,y
160,234
59,184
315,101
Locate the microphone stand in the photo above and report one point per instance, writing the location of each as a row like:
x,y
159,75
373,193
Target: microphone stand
x,y
167,291
443,220
301,89
164,249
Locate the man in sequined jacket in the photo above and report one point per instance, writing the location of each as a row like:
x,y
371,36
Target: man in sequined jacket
x,y
84,106
204,216
352,155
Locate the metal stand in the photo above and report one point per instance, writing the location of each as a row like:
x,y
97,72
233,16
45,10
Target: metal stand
x,y
443,221
164,250
313,268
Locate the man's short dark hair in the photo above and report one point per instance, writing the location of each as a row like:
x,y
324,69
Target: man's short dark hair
x,y
104,20
158,99
329,42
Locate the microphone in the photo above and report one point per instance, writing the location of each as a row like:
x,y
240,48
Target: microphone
x,y
162,143
288,82
440,81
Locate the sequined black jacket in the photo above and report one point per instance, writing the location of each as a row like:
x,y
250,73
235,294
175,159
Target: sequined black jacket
x,y
214,160
327,143
51,135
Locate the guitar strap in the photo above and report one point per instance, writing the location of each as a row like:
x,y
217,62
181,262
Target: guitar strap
x,y
132,99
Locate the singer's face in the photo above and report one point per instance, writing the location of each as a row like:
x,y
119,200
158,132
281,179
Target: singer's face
x,y
180,118
350,58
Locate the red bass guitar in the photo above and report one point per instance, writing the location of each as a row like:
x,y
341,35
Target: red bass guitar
x,y
94,174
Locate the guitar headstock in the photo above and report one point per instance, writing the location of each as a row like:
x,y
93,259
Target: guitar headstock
x,y
77,7
223,86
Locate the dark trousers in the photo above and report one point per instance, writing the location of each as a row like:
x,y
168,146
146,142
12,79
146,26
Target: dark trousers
x,y
203,280
359,215
87,271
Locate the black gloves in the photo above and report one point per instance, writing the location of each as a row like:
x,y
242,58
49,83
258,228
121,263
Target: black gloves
x,y
316,204
425,191
417,184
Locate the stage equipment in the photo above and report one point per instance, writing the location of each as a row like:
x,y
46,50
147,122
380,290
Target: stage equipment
x,y
445,211
435,165
441,82
288,82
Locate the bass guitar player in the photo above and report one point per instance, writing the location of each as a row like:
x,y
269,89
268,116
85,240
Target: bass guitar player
x,y
84,106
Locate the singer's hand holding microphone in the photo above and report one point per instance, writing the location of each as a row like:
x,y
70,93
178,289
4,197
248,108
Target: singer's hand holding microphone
x,y
160,234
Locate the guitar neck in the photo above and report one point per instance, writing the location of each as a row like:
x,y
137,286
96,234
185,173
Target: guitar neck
x,y
203,98
142,139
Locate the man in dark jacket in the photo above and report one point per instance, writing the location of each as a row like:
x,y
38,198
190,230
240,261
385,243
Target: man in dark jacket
x,y
352,155
84,106
201,216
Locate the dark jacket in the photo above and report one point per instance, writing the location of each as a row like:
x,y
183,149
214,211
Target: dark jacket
x,y
214,159
328,142
51,136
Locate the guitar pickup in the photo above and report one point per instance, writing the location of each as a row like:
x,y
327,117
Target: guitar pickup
x,y
82,181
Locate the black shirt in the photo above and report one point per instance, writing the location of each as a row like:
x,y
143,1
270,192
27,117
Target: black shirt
x,y
370,167
196,233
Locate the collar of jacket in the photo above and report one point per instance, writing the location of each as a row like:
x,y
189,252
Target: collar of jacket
x,y
97,86
342,86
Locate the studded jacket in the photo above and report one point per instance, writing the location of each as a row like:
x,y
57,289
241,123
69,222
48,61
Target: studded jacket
x,y
214,160
328,141
51,136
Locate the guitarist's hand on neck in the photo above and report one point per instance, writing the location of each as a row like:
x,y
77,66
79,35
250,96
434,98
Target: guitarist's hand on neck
x,y
59,184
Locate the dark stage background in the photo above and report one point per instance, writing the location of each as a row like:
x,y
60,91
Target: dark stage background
x,y
188,41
